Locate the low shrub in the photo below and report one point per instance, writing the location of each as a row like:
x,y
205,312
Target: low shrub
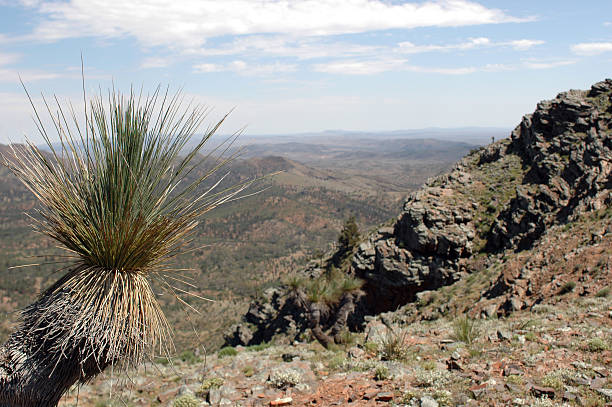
x,y
284,378
227,351
465,329
393,345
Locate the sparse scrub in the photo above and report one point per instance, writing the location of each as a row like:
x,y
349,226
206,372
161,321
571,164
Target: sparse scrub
x,y
393,345
371,347
210,383
515,379
553,380
227,351
465,329
331,286
349,238
186,400
258,347
596,345
438,379
381,372
285,378
295,281
248,371
188,356
603,293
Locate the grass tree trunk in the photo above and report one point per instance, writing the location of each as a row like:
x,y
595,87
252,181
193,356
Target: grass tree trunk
x,y
34,371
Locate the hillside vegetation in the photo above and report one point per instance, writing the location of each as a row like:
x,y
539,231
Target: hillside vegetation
x,y
240,248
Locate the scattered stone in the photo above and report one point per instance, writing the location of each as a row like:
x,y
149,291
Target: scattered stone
x,y
282,402
452,364
539,391
370,395
512,369
384,396
598,383
167,395
478,390
214,396
428,401
607,393
356,352
503,335
288,357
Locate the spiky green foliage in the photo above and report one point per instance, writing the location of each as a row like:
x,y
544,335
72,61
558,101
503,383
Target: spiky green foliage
x,y
465,329
115,195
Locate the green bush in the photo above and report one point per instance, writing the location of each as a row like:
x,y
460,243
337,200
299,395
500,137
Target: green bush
x,y
596,345
349,236
258,347
189,357
186,400
603,293
381,372
227,351
210,383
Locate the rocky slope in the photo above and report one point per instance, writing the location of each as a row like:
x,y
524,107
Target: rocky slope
x,y
496,208
491,288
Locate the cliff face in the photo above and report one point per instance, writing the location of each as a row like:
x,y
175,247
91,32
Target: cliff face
x,y
502,199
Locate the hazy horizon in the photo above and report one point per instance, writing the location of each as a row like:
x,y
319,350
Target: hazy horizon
x,y
308,66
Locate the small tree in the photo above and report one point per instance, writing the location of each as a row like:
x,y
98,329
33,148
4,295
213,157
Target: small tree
x,y
348,238
116,195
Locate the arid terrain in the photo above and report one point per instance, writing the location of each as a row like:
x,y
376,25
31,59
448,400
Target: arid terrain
x,y
491,288
247,245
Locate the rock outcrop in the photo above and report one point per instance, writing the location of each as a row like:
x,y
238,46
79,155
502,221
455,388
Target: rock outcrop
x,y
567,146
501,198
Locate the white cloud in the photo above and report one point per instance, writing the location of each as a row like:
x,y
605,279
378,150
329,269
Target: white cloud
x,y
12,76
591,48
207,68
6,59
498,68
189,23
155,62
371,67
443,71
356,67
472,43
535,64
522,45
244,68
276,45
410,48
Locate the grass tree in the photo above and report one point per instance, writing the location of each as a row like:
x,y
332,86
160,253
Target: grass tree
x,y
120,194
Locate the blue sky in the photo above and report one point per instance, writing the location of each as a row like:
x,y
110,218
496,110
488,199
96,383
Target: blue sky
x,y
290,66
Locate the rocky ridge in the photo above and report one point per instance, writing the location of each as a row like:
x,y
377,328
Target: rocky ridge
x,y
499,200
